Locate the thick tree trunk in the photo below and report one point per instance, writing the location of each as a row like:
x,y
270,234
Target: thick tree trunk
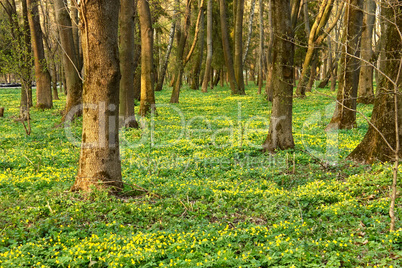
x,y
345,111
366,89
70,58
147,45
207,73
226,48
99,164
382,128
280,129
76,34
126,53
43,83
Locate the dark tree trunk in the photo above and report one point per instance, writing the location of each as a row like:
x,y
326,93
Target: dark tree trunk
x,y
366,89
99,164
345,111
147,87
70,58
43,83
238,47
126,53
280,129
208,69
373,147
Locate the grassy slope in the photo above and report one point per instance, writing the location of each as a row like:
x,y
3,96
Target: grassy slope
x,y
212,198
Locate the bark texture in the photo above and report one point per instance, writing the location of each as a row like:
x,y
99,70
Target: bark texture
x,y
99,164
207,73
280,129
126,53
366,89
382,128
43,81
147,87
70,57
345,111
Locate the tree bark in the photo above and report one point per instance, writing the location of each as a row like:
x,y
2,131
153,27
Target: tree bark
x,y
43,82
250,30
226,49
345,111
126,53
261,48
207,73
70,58
366,89
99,164
269,85
147,87
195,83
382,133
238,47
182,33
162,73
280,129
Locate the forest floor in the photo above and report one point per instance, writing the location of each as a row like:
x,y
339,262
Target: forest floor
x,y
198,191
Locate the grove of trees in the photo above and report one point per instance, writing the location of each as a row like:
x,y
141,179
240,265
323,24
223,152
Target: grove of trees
x,y
110,54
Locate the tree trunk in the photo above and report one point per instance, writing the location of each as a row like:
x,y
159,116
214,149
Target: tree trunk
x,y
147,46
76,34
261,48
126,53
1,111
226,48
162,73
195,84
182,33
250,30
269,85
345,111
280,129
207,73
99,164
70,59
315,38
43,83
366,89
238,47
382,128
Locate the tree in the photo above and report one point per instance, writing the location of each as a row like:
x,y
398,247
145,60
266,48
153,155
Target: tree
x,y
280,129
126,53
43,81
70,57
99,164
207,73
345,111
238,46
366,89
162,73
226,49
147,87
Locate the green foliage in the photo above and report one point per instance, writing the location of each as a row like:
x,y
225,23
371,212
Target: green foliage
x,y
201,200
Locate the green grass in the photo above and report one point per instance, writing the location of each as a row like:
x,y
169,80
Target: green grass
x,y
208,198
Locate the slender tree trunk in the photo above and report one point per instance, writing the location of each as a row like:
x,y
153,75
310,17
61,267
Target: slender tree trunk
x,y
195,83
99,164
280,129
76,34
147,87
366,89
345,111
238,47
43,83
226,48
250,31
182,33
162,73
70,58
261,48
126,53
208,69
269,85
